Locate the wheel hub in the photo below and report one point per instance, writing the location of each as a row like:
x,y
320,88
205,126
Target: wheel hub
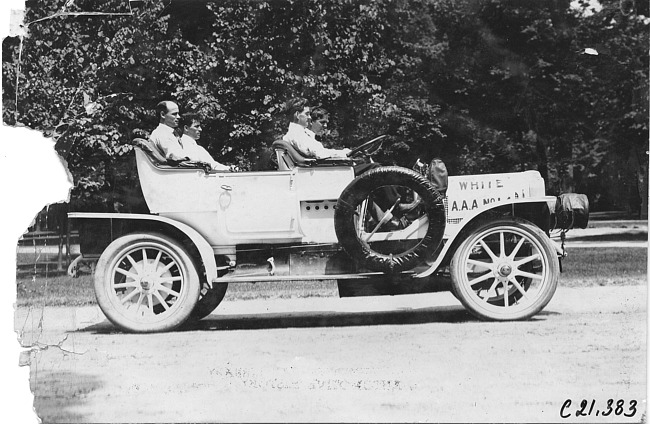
x,y
146,283
504,270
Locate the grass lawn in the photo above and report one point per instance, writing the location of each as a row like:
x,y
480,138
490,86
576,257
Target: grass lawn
x,y
582,268
42,290
610,266
62,290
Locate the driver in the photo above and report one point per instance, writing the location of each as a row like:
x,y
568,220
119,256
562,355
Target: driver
x,y
301,137
305,125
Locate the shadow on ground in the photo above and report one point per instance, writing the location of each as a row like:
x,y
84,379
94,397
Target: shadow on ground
x,y
58,393
315,319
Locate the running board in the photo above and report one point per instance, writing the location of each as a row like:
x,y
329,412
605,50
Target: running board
x,y
276,278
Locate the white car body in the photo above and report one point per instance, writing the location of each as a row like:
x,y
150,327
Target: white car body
x,y
219,215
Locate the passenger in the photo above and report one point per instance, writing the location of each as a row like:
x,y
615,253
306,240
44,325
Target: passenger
x,y
301,137
191,125
319,120
183,148
163,136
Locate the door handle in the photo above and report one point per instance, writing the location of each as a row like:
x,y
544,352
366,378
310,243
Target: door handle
x,y
226,187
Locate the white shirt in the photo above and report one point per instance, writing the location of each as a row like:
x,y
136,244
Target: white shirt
x,y
167,142
198,153
184,148
305,142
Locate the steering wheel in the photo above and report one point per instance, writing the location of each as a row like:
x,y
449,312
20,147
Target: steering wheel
x,y
368,147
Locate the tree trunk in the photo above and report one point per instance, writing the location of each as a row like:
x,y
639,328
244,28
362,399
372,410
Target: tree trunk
x,y
639,200
542,163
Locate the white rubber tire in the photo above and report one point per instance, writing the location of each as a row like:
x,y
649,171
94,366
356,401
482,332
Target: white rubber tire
x,y
146,282
511,255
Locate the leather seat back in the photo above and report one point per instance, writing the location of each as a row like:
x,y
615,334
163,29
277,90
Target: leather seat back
x,y
151,150
289,157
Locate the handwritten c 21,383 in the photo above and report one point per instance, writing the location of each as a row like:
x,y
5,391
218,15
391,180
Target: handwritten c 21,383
x,y
611,407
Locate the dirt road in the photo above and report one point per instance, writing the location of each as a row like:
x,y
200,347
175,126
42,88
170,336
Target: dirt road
x,y
406,358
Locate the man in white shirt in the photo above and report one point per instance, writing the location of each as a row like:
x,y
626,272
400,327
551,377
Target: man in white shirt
x,y
304,139
176,148
163,136
191,123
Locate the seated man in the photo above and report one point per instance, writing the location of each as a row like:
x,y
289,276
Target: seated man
x,y
306,125
191,124
163,137
301,137
177,149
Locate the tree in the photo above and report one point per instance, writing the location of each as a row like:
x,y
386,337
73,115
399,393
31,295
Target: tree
x,y
489,86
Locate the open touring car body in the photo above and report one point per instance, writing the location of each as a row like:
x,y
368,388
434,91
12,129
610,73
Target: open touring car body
x,y
281,225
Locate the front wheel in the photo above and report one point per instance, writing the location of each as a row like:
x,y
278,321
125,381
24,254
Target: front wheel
x,y
505,270
146,283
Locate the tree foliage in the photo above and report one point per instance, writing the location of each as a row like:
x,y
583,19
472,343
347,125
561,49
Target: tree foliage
x,y
489,86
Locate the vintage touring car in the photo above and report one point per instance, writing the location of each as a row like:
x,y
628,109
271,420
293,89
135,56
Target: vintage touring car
x,y
486,239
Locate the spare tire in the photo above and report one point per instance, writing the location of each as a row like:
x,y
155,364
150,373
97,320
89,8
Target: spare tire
x,y
346,219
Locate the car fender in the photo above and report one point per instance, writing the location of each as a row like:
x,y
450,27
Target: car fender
x,y
201,244
452,231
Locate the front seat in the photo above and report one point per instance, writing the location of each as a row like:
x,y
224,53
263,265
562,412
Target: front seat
x,y
288,157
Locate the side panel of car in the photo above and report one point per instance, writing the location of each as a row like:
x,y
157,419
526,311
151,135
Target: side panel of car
x,y
248,207
268,207
229,209
322,183
176,190
468,194
317,190
226,208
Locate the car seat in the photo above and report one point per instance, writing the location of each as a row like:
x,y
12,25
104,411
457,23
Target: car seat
x,y
157,158
151,151
288,157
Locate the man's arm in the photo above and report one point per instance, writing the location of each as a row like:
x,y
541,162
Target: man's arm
x,y
335,153
220,167
310,147
204,156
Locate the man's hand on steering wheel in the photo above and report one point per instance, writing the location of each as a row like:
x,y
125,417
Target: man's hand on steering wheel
x,y
367,148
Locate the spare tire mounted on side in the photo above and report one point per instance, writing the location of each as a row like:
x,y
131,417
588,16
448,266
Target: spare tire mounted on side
x,y
346,218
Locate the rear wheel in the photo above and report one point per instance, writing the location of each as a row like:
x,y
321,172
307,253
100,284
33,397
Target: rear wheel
x,y
209,300
505,270
146,283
